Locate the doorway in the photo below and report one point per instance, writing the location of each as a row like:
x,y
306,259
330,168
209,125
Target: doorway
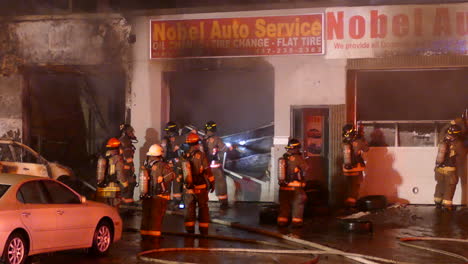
x,y
241,102
69,113
310,127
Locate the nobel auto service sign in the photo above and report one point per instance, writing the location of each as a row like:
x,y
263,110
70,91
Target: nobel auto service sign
x,y
379,31
244,36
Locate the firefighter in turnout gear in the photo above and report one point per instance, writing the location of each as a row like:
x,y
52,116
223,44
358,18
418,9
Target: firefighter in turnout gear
x,y
291,178
155,178
198,180
353,146
172,154
110,174
127,139
215,149
451,153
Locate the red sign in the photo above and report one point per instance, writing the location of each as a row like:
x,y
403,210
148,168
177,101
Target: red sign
x,y
245,36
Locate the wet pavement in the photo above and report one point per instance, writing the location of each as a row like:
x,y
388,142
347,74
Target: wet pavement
x,y
326,229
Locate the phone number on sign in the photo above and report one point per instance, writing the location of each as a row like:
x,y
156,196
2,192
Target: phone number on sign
x,y
272,51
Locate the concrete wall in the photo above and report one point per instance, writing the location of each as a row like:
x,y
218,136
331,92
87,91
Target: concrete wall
x,y
71,40
11,110
146,91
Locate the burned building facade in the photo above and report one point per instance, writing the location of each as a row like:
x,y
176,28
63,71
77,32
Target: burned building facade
x,y
252,69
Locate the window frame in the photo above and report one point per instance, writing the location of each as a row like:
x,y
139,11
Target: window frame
x,y
51,198
437,125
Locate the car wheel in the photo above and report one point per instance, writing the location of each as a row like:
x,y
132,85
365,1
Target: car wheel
x,y
102,239
16,249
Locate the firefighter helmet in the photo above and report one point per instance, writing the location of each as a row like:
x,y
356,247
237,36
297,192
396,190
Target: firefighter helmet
x,y
171,127
454,129
293,144
155,150
210,126
192,138
113,143
349,131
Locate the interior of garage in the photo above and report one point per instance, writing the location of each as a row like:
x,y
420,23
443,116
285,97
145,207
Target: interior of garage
x,y
70,112
238,95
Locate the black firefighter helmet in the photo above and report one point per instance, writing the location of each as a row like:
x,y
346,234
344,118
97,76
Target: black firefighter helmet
x,y
171,128
454,129
293,144
210,126
349,131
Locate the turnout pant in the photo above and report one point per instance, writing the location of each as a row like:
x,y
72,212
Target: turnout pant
x,y
354,184
128,191
445,187
154,209
192,199
292,200
220,185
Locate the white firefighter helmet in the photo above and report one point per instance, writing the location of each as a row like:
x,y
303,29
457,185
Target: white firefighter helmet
x,y
155,150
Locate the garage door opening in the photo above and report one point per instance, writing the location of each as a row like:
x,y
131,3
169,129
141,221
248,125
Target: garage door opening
x,y
70,113
241,102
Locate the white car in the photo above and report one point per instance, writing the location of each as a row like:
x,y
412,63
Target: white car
x,y
39,215
17,158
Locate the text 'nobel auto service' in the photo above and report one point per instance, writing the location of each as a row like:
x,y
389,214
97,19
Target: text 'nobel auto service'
x,y
244,36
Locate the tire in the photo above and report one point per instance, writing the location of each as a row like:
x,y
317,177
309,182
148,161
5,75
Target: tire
x,y
16,249
102,239
357,225
371,203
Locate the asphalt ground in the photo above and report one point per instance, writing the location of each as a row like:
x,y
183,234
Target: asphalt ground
x,y
325,229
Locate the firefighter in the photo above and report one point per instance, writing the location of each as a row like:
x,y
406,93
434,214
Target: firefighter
x,y
215,149
291,179
172,154
198,180
155,178
110,176
450,156
127,139
354,144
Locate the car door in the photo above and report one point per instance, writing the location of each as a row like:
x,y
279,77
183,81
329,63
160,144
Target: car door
x,y
27,161
37,215
75,222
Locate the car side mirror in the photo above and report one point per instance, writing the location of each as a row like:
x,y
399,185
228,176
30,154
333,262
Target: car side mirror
x,y
83,199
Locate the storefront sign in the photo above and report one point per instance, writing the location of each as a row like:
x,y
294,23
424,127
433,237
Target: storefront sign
x,y
380,31
245,36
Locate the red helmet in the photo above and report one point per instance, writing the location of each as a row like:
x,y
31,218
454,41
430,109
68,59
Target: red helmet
x,y
192,138
113,143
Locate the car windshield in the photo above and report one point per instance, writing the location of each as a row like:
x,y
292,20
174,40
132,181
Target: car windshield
x,y
3,189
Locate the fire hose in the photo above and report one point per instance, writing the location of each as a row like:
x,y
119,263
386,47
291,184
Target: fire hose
x,y
323,250
404,241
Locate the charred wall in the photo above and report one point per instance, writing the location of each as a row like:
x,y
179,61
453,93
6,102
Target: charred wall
x,y
73,43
